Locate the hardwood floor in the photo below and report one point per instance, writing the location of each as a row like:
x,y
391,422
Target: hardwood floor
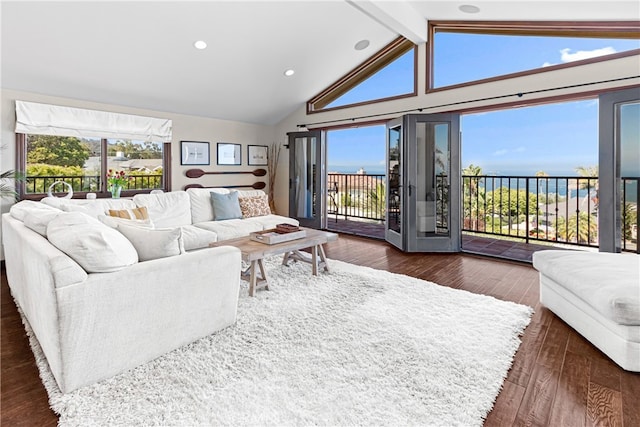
x,y
557,378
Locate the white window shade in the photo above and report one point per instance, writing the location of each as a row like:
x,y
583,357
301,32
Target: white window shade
x,y
43,119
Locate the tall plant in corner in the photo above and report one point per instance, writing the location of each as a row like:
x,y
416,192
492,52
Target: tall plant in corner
x,y
273,156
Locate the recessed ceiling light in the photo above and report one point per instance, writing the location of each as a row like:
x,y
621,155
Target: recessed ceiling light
x,y
289,72
469,8
362,44
200,45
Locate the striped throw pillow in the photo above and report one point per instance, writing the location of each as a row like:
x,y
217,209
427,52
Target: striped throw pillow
x,y
137,213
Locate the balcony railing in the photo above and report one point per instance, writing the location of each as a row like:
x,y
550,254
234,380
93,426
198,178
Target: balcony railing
x,y
553,209
89,183
559,209
356,196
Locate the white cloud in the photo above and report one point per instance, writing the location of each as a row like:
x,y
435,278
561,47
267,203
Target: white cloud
x,y
519,149
547,64
500,152
567,56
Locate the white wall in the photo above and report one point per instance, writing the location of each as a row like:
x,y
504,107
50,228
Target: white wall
x,y
188,128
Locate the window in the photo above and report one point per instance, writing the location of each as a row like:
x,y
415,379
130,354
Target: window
x,y
389,74
80,162
472,52
79,147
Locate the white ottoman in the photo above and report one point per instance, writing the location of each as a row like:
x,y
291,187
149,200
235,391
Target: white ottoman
x,y
598,294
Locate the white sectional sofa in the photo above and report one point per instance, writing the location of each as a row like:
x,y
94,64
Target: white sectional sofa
x,y
598,294
97,310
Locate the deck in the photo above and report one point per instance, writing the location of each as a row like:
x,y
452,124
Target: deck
x,y
480,245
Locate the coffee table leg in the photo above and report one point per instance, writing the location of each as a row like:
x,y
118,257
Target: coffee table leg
x,y
323,258
314,260
263,274
285,259
252,278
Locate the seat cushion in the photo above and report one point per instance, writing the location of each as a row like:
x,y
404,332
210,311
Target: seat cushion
x,y
231,228
197,238
610,283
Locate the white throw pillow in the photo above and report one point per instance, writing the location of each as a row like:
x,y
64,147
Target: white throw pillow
x,y
38,222
93,245
154,243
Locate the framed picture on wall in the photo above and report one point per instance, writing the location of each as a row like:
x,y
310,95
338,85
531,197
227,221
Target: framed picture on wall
x,y
229,154
194,153
257,155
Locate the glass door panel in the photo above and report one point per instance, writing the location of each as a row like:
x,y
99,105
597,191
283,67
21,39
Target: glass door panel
x,y
618,170
433,176
305,183
628,117
395,167
432,179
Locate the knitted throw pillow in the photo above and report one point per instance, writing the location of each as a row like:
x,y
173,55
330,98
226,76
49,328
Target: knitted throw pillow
x,y
254,206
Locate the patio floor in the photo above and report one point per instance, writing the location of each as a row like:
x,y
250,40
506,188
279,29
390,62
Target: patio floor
x,y
481,245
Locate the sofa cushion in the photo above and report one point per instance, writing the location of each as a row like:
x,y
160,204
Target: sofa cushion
x,y
20,209
154,243
231,228
608,282
201,207
39,221
250,193
166,210
254,206
89,207
225,206
197,238
93,245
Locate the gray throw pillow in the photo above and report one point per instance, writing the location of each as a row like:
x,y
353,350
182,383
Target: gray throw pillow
x,y
225,206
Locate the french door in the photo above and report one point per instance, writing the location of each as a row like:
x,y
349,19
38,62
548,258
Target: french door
x,y
306,172
423,178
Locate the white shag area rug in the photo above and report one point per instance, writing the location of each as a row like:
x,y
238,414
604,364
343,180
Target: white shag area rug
x,y
355,346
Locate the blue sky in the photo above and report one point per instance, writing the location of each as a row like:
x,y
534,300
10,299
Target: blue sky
x,y
555,138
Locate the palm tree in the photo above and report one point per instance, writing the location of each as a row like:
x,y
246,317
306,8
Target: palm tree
x,y
472,171
377,199
629,215
589,181
581,228
470,193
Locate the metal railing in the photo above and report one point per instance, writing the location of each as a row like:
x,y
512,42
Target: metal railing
x,y
558,209
553,209
89,183
356,196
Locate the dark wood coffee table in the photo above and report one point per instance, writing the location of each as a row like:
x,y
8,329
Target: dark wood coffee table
x,y
254,252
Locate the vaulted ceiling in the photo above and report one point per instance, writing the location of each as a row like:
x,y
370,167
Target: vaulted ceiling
x,y
141,54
